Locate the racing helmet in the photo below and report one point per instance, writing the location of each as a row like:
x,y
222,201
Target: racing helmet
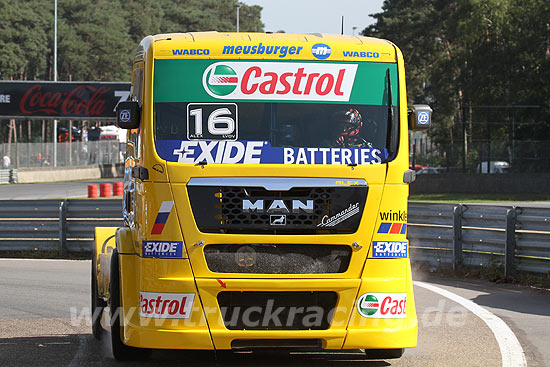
x,y
349,122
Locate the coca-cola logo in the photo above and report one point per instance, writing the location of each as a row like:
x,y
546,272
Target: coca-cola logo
x,y
82,100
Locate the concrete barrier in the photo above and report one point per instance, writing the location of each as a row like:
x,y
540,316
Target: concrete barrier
x,y
69,173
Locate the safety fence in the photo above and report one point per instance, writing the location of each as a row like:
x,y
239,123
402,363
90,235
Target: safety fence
x,y
442,235
77,153
8,176
453,235
61,226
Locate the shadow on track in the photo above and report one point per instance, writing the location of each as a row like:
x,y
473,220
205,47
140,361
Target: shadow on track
x,y
84,350
509,297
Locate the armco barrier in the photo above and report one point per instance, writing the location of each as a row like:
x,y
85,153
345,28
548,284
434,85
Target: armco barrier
x,y
55,225
8,176
443,235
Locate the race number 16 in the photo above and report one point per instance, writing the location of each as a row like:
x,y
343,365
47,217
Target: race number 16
x,y
212,121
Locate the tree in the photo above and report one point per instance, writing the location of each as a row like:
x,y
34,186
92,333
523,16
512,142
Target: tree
x,y
24,26
461,54
97,39
94,43
144,17
209,15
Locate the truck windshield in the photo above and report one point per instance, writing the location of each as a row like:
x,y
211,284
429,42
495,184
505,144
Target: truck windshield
x,y
335,118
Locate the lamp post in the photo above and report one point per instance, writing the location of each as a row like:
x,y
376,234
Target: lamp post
x,y
238,6
55,78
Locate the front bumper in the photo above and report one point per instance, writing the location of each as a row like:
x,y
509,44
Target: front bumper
x,y
204,329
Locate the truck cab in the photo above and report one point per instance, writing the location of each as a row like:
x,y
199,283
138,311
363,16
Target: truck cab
x,y
265,203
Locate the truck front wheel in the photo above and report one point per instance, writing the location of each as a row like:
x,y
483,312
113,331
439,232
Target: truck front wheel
x,y
121,351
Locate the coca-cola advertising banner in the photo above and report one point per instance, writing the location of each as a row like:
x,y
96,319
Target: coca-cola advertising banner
x,y
61,100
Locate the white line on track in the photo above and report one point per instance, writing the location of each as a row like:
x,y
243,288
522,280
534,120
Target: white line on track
x,y
79,355
510,349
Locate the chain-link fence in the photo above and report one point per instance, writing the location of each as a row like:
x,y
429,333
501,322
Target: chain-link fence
x,y
25,155
455,156
514,136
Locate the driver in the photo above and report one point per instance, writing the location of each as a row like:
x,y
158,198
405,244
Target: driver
x,y
346,127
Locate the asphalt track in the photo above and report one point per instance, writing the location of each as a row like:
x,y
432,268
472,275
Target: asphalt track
x,y
44,321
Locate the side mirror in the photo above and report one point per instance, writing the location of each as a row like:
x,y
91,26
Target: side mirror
x,y
128,115
420,117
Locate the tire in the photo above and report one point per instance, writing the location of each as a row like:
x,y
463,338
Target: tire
x,y
121,351
98,304
384,353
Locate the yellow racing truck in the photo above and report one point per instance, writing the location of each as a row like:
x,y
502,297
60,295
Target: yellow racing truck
x,y
265,198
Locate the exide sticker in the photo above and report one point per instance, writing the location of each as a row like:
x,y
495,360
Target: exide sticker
x,y
261,152
279,81
383,305
162,249
165,305
389,249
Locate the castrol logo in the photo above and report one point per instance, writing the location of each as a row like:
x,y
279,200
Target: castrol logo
x,y
383,305
165,305
279,81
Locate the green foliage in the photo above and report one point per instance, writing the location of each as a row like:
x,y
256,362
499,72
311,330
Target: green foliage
x,y
97,38
462,54
24,26
95,49
210,15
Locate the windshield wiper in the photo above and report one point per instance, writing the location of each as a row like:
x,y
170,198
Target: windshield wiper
x,y
389,137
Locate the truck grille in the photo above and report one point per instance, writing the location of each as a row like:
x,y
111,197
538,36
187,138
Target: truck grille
x,y
297,210
277,310
233,215
277,258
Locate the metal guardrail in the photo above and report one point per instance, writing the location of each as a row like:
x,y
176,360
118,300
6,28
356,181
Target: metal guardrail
x,y
517,238
439,234
63,226
8,176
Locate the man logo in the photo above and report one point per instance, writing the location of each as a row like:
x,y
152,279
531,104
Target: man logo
x,y
277,206
221,80
277,220
321,51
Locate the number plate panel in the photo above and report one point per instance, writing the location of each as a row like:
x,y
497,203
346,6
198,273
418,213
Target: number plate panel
x,y
212,121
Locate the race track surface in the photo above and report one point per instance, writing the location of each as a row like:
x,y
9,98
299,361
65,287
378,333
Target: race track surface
x,y
44,321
